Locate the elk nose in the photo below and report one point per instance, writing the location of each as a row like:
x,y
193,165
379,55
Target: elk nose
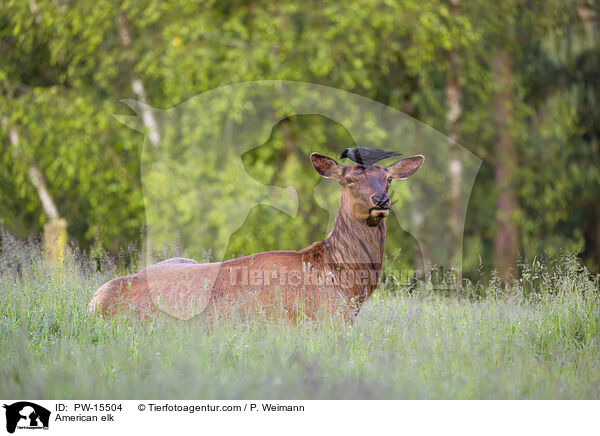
x,y
383,201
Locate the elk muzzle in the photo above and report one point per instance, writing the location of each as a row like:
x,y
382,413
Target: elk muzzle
x,y
381,205
381,202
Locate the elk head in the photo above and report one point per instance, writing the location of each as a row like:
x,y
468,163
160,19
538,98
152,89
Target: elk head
x,y
365,194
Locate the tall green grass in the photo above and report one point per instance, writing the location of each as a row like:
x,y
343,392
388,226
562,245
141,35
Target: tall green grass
x,y
539,338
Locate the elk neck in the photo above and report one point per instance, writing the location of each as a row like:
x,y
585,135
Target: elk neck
x,y
352,244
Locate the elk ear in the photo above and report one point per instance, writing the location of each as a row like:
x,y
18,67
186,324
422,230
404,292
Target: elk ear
x,y
405,168
326,166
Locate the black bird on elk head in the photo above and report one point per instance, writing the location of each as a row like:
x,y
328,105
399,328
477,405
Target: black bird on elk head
x,y
367,156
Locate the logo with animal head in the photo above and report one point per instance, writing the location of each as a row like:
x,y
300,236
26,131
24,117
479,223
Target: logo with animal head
x,y
26,415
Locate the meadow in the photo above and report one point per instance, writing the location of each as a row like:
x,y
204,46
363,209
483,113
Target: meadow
x,y
536,339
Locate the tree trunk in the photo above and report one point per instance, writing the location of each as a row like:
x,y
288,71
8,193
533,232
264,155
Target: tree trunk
x,y
55,230
506,244
138,87
453,95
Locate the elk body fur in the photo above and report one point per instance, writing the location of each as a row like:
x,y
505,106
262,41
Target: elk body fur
x,y
330,277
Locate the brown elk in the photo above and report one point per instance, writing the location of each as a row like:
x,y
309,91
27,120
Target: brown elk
x,y
334,276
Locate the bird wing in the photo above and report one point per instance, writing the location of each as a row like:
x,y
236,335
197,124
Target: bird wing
x,y
369,156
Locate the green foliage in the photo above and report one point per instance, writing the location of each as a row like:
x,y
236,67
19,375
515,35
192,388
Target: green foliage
x,y
64,67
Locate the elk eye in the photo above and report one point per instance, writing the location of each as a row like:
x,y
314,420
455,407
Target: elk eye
x,y
349,180
390,179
